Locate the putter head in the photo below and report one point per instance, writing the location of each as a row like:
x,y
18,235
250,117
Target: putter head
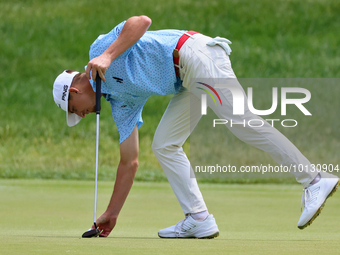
x,y
91,233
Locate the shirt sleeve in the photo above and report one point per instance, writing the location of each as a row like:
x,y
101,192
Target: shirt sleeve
x,y
117,29
126,115
104,41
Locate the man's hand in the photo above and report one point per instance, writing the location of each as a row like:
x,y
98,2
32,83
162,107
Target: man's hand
x,y
99,64
125,174
105,223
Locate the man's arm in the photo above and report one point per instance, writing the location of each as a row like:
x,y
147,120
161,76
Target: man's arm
x,y
132,31
125,175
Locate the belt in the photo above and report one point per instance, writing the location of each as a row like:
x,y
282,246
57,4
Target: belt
x,y
179,45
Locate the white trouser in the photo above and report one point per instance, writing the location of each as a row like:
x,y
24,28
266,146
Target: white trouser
x,y
197,60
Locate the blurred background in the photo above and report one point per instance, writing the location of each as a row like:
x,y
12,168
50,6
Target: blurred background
x,y
41,38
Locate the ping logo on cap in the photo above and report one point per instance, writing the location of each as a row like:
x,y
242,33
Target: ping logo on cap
x,y
64,92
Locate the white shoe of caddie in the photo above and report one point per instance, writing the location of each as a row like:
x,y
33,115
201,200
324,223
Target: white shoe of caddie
x,y
314,197
190,228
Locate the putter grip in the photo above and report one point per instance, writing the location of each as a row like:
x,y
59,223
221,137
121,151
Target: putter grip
x,y
98,93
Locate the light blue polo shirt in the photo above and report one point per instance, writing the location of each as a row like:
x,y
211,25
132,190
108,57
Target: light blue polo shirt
x,y
145,69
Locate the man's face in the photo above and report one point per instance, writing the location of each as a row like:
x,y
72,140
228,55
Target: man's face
x,y
82,98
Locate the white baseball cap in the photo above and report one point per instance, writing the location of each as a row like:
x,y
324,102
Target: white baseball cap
x,y
61,92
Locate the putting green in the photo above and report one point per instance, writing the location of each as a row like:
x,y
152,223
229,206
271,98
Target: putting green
x,y
48,217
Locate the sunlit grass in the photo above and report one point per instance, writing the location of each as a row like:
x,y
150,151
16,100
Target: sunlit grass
x,y
41,38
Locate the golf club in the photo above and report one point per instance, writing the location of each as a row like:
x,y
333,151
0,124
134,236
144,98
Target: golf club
x,y
95,232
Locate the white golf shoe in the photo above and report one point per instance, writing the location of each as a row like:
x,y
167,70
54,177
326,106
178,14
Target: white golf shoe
x,y
314,197
190,228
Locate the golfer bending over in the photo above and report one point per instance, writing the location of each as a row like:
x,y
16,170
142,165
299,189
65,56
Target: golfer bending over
x,y
134,64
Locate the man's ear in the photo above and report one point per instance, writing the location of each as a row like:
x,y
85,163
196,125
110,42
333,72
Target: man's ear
x,y
74,90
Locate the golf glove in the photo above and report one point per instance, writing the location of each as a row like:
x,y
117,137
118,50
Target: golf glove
x,y
224,43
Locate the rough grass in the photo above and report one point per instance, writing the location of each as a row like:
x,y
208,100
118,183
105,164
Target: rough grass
x,y
40,38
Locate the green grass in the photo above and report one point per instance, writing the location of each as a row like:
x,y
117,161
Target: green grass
x,y
40,38
49,216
